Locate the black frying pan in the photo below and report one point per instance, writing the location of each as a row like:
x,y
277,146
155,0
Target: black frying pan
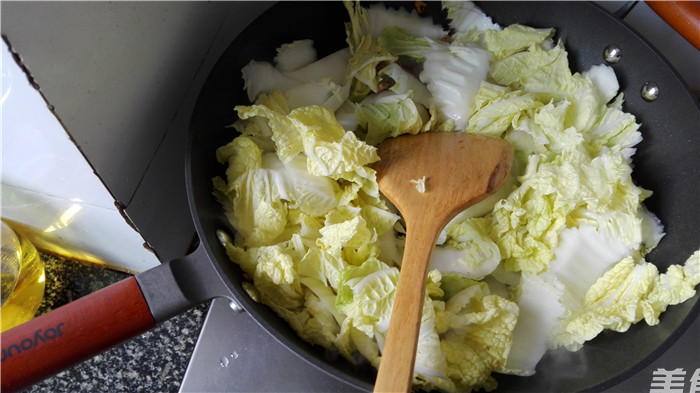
x,y
667,161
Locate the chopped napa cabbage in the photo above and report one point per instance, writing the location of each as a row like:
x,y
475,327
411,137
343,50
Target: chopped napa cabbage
x,y
353,234
366,296
546,72
330,150
399,43
366,53
331,68
262,77
319,283
380,17
240,155
285,136
321,82
540,307
272,270
389,115
536,69
305,305
403,82
542,130
515,38
605,81
363,67
431,367
453,74
630,291
564,190
582,257
314,131
616,130
351,240
499,114
323,326
261,198
324,93
469,251
295,55
358,27
465,16
673,287
652,230
314,195
345,115
477,331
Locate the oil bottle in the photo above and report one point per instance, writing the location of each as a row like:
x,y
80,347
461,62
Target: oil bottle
x,y
23,279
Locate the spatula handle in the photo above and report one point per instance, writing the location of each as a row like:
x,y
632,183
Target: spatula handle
x,y
399,356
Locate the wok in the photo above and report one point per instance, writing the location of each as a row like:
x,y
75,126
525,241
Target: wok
x,y
667,161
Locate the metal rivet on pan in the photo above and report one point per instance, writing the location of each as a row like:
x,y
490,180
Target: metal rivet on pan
x,y
235,306
612,53
251,291
223,237
650,91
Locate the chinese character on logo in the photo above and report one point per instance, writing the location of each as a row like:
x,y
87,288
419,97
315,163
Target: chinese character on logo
x,y
669,381
695,382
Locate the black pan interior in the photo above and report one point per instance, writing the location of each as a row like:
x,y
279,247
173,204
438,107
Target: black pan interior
x,y
667,161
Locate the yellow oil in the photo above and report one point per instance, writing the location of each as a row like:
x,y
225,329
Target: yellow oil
x,y
50,242
23,279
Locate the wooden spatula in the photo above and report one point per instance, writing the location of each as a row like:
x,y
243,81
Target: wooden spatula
x,y
430,178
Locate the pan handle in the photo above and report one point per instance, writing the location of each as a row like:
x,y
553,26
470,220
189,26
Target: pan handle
x,y
683,16
94,323
72,333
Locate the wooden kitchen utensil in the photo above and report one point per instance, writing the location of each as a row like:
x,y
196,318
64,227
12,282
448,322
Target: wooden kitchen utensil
x,y
430,178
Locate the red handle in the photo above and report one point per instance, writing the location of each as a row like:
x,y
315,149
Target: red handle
x,y
70,334
683,16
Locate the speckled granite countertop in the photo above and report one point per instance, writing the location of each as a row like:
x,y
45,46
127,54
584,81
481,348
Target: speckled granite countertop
x,y
152,362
